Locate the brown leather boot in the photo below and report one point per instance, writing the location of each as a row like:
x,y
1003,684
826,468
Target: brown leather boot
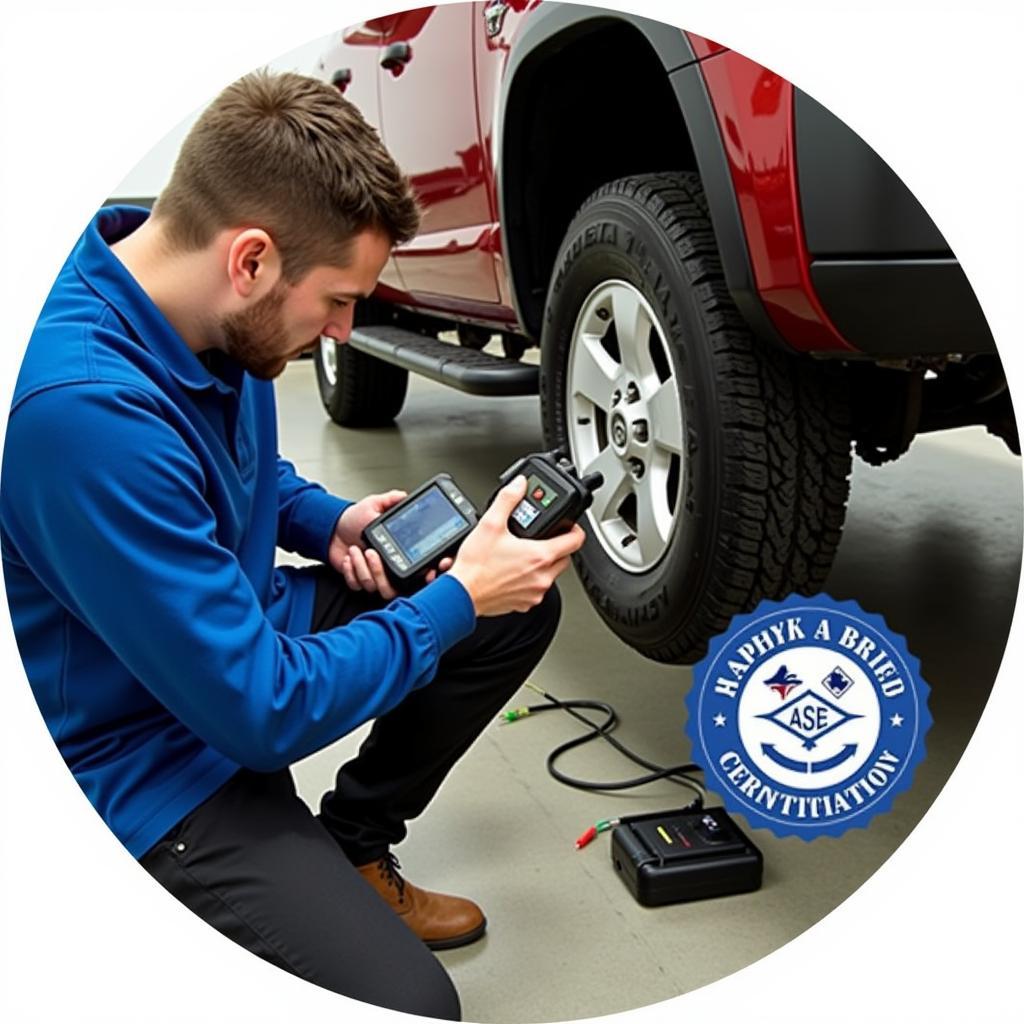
x,y
442,922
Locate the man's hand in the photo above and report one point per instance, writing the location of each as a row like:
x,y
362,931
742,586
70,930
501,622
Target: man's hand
x,y
362,569
503,573
350,525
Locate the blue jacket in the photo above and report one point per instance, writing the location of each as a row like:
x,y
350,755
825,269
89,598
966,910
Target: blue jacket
x,y
140,504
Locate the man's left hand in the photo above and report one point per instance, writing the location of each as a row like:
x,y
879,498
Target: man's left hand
x,y
362,569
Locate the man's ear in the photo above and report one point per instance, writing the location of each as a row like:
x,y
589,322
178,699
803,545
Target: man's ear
x,y
254,263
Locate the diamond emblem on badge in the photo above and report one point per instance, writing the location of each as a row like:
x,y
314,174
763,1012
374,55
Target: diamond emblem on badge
x,y
837,682
809,718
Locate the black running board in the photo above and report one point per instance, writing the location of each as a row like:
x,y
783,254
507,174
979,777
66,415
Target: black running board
x,y
477,373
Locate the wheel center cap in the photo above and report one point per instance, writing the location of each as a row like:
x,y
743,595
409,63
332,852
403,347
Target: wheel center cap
x,y
620,433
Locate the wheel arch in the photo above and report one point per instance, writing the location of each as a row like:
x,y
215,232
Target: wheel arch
x,y
663,121
563,57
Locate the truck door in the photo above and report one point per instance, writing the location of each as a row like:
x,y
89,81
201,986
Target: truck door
x,y
430,125
353,65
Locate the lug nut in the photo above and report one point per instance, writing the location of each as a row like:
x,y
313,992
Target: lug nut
x,y
603,314
640,431
616,397
632,394
636,468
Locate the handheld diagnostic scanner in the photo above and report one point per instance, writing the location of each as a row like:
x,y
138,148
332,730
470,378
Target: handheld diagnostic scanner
x,y
413,536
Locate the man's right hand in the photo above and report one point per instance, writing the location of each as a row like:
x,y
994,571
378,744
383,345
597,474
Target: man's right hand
x,y
503,573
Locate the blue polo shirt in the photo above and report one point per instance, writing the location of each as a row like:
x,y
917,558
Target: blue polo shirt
x,y
141,500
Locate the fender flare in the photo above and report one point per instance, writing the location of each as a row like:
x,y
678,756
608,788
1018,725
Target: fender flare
x,y
549,29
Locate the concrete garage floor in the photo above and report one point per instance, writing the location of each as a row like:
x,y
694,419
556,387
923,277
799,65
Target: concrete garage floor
x,y
933,543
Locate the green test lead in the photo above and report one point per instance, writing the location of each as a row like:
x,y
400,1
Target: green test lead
x,y
512,715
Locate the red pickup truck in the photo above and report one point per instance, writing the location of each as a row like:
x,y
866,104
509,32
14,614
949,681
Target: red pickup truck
x,y
731,292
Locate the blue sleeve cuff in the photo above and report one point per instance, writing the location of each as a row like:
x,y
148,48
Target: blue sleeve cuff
x,y
320,512
447,606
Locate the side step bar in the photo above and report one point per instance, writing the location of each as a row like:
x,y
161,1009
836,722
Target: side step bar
x,y
477,373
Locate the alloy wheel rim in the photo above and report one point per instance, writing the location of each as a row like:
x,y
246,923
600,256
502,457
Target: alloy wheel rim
x,y
625,421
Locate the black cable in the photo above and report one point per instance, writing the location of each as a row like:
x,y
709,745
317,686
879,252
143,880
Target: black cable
x,y
675,773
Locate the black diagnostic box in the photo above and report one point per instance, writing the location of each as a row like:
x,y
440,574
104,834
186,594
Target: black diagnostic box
x,y
676,856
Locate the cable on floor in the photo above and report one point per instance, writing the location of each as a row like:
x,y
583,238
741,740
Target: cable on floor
x,y
679,774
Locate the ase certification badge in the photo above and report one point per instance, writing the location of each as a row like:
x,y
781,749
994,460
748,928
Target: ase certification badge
x,y
808,715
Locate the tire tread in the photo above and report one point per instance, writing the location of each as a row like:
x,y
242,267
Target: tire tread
x,y
785,424
369,391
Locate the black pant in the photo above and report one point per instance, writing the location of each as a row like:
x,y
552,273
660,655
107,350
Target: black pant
x,y
255,863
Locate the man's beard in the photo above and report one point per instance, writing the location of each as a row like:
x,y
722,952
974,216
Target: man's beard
x,y
254,339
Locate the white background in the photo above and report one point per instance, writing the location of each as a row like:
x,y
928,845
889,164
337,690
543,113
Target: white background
x,y
88,89
149,176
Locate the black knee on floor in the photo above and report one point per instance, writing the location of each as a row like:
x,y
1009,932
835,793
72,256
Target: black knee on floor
x,y
403,977
547,614
528,634
432,996
444,1005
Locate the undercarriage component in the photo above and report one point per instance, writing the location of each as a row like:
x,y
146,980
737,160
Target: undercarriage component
x,y
893,405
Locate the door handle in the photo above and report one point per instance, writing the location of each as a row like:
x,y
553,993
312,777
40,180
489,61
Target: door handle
x,y
341,78
396,56
494,17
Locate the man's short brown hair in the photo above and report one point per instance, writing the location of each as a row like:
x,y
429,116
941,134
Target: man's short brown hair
x,y
289,154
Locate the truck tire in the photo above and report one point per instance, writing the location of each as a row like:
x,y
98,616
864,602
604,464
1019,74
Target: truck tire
x,y
726,462
358,390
